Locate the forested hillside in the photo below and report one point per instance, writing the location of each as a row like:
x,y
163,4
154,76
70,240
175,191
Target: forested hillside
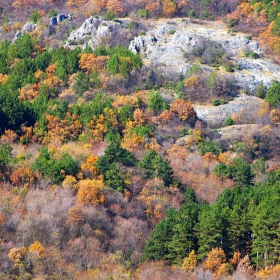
x,y
139,139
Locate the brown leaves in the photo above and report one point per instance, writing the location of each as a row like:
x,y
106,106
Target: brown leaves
x,y
89,62
183,109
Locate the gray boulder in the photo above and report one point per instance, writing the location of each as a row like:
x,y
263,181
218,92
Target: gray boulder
x,y
28,27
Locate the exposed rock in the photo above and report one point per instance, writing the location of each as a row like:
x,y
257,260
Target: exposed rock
x,y
61,17
53,21
95,31
181,141
218,114
166,46
255,71
235,132
28,27
18,34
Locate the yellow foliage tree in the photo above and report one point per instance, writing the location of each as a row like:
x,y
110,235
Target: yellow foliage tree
x,y
125,100
3,78
191,82
215,259
37,248
69,182
91,192
169,8
97,126
88,167
190,262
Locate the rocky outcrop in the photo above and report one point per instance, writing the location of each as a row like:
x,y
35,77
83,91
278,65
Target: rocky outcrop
x,y
167,45
235,132
28,27
217,115
95,31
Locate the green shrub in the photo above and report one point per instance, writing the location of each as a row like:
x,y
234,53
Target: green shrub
x,y
157,103
229,121
208,146
230,23
261,91
34,17
55,169
133,24
5,156
251,54
52,13
273,94
109,15
216,102
228,67
171,31
142,13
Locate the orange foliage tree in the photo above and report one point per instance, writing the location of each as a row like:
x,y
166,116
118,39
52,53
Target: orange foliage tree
x,y
116,6
65,130
183,110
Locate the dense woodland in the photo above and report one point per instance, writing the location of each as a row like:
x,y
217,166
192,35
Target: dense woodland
x,y
93,183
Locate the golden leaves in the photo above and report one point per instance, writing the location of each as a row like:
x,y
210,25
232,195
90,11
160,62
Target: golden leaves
x,y
37,248
91,192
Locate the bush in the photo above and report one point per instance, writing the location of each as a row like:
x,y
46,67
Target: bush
x,y
52,13
157,103
251,54
171,31
142,13
273,94
209,146
217,102
133,24
229,121
55,169
109,15
34,17
261,91
5,155
228,67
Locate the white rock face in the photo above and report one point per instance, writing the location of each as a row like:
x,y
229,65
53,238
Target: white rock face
x,y
219,114
93,32
166,45
28,27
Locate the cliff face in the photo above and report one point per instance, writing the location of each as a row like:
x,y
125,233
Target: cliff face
x,y
167,45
